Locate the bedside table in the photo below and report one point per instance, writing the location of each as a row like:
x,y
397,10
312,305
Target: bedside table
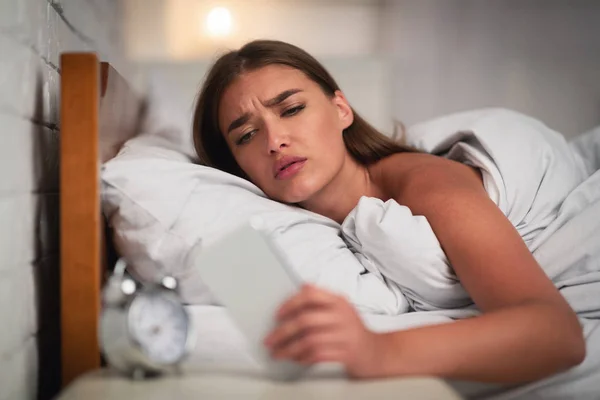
x,y
104,384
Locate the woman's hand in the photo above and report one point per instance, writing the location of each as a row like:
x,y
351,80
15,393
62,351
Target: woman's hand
x,y
318,326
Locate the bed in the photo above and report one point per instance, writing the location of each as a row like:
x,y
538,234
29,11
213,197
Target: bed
x,y
100,111
100,116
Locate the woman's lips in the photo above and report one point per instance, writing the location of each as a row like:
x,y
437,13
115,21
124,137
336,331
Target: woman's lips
x,y
291,170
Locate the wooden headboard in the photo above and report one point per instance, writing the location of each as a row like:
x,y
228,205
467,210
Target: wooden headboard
x,y
99,111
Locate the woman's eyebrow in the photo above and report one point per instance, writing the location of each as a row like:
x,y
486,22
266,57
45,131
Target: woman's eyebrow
x,y
238,122
269,103
281,97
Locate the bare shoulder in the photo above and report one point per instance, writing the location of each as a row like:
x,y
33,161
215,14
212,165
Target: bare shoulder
x,y
416,178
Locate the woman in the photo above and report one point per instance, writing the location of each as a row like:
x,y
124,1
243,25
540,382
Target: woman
x,y
270,113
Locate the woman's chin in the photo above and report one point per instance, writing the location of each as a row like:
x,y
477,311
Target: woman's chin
x,y
293,198
296,194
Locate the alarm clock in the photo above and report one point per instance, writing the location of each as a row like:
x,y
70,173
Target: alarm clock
x,y
144,328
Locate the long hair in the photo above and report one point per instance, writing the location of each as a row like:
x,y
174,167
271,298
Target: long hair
x,y
364,143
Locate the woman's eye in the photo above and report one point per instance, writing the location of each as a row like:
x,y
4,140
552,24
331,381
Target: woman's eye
x,y
292,111
245,138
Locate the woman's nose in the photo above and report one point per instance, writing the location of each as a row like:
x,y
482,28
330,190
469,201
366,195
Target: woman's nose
x,y
277,137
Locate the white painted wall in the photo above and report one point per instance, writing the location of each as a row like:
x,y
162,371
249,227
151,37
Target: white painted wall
x,y
412,60
32,35
541,57
175,29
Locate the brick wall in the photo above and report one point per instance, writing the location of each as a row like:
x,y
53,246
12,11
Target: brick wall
x,y
33,33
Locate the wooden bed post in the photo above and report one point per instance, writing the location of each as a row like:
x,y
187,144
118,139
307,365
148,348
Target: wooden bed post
x,y
99,112
79,214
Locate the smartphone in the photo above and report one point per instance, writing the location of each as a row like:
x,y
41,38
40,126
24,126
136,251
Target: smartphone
x,y
250,276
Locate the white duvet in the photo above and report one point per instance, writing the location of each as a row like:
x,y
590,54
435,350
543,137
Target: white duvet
x,y
548,188
534,176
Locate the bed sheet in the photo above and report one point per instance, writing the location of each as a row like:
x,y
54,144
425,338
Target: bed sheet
x,y
568,248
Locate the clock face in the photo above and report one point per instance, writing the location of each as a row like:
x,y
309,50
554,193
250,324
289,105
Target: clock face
x,y
159,324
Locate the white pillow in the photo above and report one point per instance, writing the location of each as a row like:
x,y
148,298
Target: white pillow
x,y
167,123
159,206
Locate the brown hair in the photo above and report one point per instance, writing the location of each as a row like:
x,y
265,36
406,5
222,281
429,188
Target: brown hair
x,y
364,143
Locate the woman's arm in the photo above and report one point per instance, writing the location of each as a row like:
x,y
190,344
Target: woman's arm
x,y
527,330
517,344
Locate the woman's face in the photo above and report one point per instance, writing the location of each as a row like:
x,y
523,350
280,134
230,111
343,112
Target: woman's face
x,y
284,132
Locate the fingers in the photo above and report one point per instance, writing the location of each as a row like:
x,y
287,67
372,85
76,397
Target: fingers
x,y
309,296
300,324
314,326
311,346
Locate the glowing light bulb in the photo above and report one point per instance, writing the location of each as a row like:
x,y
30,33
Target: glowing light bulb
x,y
218,21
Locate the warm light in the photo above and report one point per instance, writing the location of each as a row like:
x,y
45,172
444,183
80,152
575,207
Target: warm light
x,y
218,21
128,286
